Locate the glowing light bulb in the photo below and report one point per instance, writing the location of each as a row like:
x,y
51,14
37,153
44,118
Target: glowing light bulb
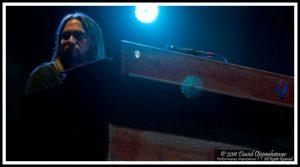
x,y
146,13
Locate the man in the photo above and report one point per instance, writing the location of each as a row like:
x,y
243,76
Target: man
x,y
78,41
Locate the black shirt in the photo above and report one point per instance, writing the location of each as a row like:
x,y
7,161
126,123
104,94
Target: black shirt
x,y
44,76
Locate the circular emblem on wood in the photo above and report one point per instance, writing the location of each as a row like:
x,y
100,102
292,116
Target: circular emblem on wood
x,y
191,87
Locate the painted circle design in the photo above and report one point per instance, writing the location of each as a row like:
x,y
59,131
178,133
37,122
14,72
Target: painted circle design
x,y
191,87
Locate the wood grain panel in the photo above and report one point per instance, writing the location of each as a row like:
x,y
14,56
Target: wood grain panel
x,y
224,78
141,145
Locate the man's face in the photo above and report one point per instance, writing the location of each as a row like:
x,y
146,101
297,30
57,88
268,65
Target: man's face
x,y
74,44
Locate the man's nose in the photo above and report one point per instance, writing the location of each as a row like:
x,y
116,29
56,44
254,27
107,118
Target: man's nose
x,y
72,39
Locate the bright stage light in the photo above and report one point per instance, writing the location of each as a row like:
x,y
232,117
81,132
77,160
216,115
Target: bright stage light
x,y
146,13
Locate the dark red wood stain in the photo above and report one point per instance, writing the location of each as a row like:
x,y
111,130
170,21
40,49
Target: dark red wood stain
x,y
218,77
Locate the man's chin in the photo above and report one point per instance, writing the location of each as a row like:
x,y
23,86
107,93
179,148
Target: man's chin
x,y
70,61
71,53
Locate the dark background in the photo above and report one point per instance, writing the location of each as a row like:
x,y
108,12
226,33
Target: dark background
x,y
257,37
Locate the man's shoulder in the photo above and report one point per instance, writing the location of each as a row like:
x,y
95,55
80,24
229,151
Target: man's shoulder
x,y
47,67
42,77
